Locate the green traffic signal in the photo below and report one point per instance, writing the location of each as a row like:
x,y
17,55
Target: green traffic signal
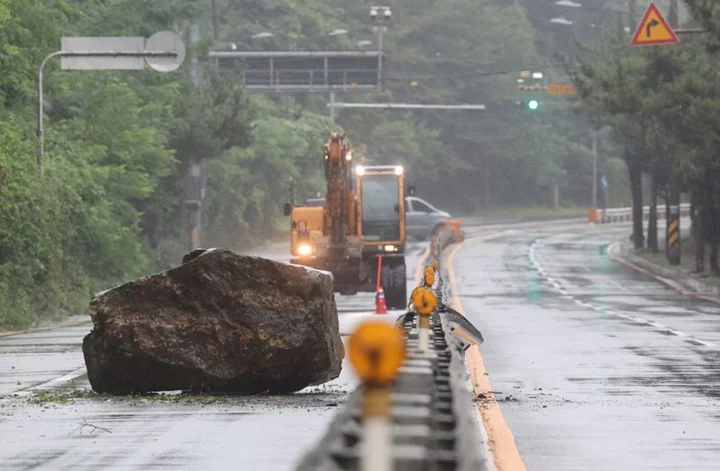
x,y
533,105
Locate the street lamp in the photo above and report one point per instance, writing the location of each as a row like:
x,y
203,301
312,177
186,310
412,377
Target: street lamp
x,y
364,43
263,35
379,15
337,32
568,3
561,20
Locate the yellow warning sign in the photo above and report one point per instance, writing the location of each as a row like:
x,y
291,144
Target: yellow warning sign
x,y
560,89
654,29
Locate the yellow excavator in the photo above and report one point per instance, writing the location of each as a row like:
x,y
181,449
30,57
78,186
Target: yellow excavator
x,y
361,219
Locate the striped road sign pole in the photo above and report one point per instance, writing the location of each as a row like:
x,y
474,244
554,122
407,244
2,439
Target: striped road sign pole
x,y
673,235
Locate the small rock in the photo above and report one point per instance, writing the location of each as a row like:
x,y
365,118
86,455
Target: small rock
x,y
544,407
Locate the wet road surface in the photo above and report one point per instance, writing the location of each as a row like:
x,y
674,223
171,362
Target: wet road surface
x,y
595,365
56,430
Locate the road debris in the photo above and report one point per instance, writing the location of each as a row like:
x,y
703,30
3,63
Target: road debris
x,y
221,322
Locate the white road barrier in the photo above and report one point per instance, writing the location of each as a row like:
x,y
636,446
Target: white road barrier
x,y
615,215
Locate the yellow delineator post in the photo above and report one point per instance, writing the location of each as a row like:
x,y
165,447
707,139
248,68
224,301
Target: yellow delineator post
x,y
429,276
376,350
425,302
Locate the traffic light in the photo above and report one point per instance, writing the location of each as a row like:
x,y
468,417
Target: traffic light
x,y
533,105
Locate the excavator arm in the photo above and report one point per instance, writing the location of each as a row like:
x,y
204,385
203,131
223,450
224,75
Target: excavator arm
x,y
339,197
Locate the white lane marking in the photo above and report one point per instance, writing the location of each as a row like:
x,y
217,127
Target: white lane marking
x,y
639,320
53,383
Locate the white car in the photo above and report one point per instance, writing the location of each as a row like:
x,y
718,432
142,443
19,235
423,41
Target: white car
x,y
422,219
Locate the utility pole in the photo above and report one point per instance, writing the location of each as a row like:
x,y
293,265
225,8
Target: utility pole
x,y
594,169
674,15
672,231
332,106
632,15
195,182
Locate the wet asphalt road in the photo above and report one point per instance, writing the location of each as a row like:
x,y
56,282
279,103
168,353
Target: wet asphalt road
x,y
58,431
596,366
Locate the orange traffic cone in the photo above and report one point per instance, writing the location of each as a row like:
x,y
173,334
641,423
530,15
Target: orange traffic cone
x,y
380,306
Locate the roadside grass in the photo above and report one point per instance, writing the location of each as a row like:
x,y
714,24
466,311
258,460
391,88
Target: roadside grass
x,y
66,396
321,396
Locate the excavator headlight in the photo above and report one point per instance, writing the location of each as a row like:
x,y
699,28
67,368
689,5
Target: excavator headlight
x,y
348,156
360,170
399,170
390,248
305,250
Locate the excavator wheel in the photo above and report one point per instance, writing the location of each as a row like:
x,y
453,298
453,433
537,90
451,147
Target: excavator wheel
x,y
395,286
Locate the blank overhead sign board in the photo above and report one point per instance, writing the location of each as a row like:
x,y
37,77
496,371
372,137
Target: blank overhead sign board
x,y
318,71
104,45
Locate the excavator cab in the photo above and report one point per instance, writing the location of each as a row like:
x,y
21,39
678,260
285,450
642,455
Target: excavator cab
x,y
381,226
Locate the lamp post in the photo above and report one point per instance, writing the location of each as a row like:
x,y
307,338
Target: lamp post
x,y
380,15
335,32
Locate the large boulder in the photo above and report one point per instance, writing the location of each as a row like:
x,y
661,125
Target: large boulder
x,y
220,322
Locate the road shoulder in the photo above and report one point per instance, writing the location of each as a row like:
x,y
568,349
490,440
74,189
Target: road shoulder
x,y
622,252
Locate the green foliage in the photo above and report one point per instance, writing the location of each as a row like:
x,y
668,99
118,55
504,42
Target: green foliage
x,y
118,146
662,103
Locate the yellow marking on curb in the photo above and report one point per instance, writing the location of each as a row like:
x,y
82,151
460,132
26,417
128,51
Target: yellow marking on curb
x,y
502,441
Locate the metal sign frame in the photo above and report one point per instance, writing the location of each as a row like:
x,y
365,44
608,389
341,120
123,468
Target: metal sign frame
x,y
108,53
305,71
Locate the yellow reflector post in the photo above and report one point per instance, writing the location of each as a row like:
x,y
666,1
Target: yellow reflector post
x,y
424,300
376,350
429,276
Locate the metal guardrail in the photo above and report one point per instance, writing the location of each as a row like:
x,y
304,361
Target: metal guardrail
x,y
614,215
434,425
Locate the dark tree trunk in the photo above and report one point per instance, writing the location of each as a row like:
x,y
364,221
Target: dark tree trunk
x,y
697,211
487,188
714,227
635,172
652,238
